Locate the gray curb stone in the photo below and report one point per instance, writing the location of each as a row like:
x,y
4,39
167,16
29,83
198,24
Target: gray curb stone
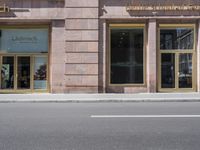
x,y
142,97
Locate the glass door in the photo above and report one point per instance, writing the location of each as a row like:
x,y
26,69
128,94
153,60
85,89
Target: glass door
x,y
185,70
7,73
176,58
23,72
168,70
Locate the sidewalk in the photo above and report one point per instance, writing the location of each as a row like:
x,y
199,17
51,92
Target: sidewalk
x,y
142,97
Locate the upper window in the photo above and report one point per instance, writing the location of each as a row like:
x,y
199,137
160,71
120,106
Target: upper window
x,y
177,38
127,55
24,40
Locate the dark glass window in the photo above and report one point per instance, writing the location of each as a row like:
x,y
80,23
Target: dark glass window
x,y
185,70
179,38
168,70
127,66
7,72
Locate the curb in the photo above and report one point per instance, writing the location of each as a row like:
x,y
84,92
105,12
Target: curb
x,y
98,98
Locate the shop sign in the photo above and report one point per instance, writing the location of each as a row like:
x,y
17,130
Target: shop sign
x,y
141,7
24,40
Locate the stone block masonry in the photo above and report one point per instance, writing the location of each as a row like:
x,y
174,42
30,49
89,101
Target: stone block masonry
x,y
82,37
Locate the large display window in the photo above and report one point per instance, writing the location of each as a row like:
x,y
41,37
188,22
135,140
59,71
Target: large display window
x,y
177,57
24,59
126,55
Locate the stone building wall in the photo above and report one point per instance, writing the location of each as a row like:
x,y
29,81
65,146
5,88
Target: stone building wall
x,y
79,38
82,37
33,9
74,37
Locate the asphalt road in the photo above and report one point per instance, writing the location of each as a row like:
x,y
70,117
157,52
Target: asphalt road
x,y
100,126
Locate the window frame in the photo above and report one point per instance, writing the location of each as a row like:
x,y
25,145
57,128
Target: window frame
x,y
127,26
176,26
177,52
32,59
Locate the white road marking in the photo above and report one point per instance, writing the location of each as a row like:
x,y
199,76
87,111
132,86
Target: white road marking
x,y
145,116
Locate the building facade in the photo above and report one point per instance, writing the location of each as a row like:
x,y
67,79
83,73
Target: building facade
x,y
99,46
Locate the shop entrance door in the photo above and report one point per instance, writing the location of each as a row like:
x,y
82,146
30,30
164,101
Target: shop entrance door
x,y
177,59
15,72
23,73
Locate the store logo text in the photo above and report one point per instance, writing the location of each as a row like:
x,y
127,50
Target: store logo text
x,y
21,39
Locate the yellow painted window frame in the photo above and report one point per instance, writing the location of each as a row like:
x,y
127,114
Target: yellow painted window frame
x,y
32,58
177,52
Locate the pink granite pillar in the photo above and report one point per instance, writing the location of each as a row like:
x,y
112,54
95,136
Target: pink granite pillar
x,y
151,57
198,57
57,55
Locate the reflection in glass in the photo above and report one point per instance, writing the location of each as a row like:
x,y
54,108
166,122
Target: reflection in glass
x,y
168,70
7,72
23,70
126,56
185,71
180,38
40,73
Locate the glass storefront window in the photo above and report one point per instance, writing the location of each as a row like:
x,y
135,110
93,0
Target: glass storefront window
x,y
176,39
177,47
24,59
185,70
127,64
40,73
24,40
7,72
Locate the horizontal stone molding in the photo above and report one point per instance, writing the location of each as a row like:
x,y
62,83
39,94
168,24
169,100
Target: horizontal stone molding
x,y
81,69
81,58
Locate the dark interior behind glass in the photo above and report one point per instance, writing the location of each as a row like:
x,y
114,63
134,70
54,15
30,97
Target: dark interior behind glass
x,y
180,38
127,56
